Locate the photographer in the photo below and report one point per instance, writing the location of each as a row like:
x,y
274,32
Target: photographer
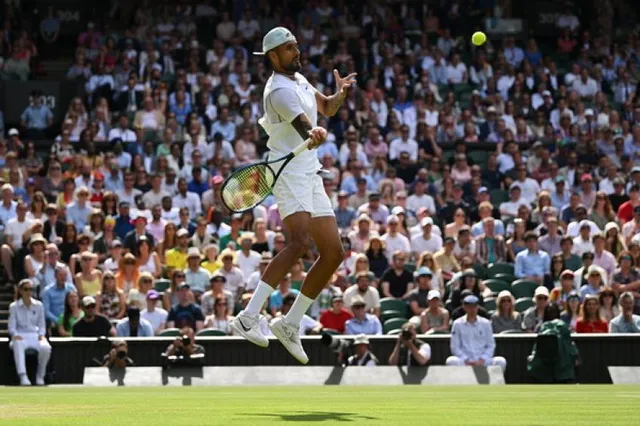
x,y
184,351
410,351
362,356
118,356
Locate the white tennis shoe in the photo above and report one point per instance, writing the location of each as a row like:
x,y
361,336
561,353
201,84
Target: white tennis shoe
x,y
289,336
248,326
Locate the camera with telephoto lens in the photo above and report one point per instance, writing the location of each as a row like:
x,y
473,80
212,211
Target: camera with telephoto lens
x,y
406,334
337,345
186,341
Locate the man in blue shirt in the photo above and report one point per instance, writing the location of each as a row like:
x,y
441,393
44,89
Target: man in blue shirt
x,y
78,212
532,264
626,322
224,126
55,294
36,117
123,222
362,322
134,326
349,184
344,214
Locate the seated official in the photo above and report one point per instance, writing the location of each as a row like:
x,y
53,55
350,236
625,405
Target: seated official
x,y
472,341
134,326
28,330
409,351
362,356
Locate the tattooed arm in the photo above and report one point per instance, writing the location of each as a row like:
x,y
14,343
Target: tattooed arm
x,y
329,105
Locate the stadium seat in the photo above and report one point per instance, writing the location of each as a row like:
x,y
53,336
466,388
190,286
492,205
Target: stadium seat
x,y
496,285
437,332
512,332
507,278
411,267
499,268
498,196
394,332
169,332
162,285
393,324
389,304
524,303
479,157
386,315
330,331
210,332
523,288
481,271
489,304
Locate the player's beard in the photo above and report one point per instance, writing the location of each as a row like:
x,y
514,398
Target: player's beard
x,y
294,66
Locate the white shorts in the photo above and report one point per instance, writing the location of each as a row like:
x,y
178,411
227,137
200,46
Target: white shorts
x,y
302,192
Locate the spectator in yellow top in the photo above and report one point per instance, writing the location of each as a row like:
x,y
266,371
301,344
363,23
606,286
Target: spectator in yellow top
x,y
176,258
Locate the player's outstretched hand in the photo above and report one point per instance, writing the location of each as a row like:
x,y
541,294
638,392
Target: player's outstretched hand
x,y
317,136
342,84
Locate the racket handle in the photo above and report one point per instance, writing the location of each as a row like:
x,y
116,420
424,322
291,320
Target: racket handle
x,y
297,150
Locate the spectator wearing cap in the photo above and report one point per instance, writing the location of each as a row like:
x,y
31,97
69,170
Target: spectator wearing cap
x,y
248,260
490,248
362,357
216,290
559,295
394,240
362,321
132,239
79,211
505,317
427,241
336,317
587,193
209,196
434,318
153,314
185,313
363,289
277,296
590,320
176,257
626,210
596,280
345,215
532,263
533,316
233,274
28,331
195,275
602,257
396,282
133,325
472,341
417,298
92,324
377,211
626,321
582,243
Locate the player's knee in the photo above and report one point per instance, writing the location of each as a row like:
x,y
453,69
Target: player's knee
x,y
300,243
335,255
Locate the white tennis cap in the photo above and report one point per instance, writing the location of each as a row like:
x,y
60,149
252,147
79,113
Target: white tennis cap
x,y
274,38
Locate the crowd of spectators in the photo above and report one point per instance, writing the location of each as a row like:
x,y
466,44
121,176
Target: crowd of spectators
x,y
123,218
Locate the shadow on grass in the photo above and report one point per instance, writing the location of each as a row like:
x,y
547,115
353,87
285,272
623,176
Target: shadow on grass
x,y
313,416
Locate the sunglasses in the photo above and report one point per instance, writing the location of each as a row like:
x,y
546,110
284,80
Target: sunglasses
x,y
27,289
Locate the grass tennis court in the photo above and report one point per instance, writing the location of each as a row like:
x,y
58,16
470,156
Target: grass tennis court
x,y
402,405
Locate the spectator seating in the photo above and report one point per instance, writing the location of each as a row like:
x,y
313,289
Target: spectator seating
x,y
523,288
524,303
393,324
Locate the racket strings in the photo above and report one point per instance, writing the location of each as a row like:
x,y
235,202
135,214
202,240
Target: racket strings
x,y
246,188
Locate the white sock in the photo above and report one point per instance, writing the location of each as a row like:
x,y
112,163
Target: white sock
x,y
298,309
262,293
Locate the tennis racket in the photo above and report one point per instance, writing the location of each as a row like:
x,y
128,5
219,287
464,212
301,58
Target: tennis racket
x,y
249,185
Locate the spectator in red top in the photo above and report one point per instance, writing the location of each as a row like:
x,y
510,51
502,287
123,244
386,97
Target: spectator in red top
x,y
336,317
625,211
590,321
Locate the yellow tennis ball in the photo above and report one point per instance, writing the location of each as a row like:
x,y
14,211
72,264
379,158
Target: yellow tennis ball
x,y
478,38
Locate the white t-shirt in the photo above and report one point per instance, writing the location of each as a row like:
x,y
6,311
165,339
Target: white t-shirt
x,y
398,146
414,202
155,318
284,100
15,229
394,243
455,74
248,264
419,244
529,189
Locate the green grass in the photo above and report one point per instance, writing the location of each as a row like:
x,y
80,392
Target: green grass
x,y
398,405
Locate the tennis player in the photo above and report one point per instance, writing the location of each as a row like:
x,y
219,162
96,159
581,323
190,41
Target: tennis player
x,y
291,107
